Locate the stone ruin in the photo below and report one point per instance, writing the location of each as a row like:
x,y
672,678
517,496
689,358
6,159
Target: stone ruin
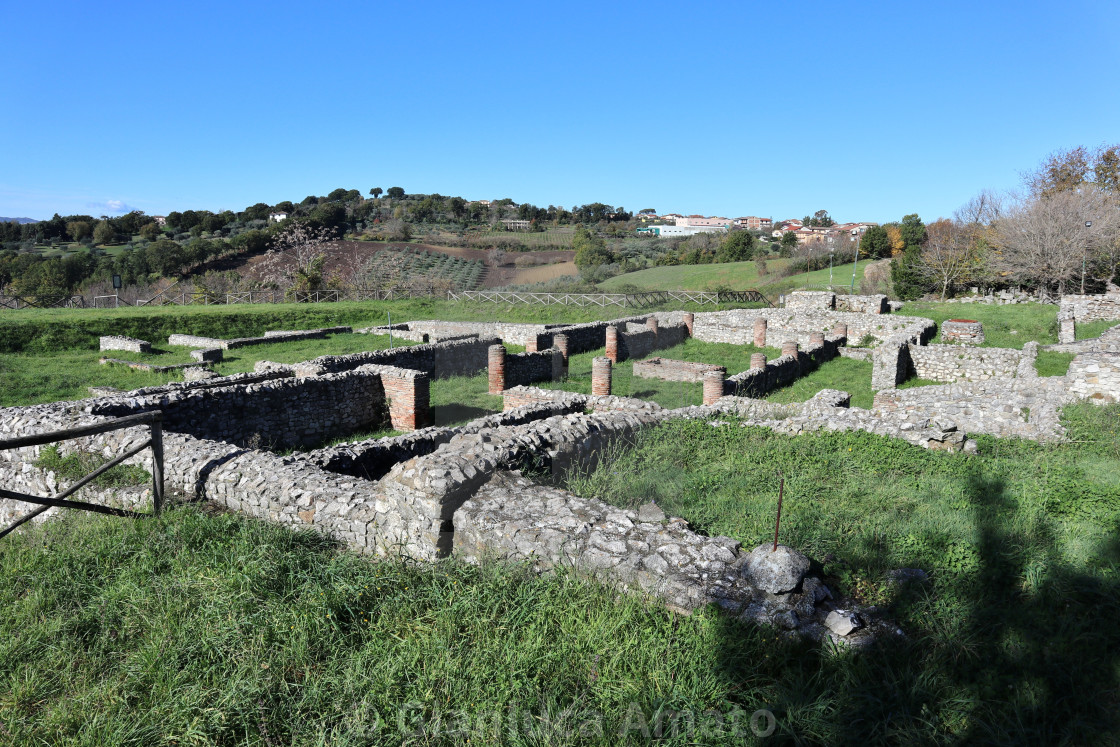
x,y
438,491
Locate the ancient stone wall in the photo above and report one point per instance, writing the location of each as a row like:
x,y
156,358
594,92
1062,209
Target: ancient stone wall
x,y
268,338
790,366
440,360
528,368
280,413
131,344
1027,408
1090,308
434,330
638,340
949,363
738,326
1095,376
873,304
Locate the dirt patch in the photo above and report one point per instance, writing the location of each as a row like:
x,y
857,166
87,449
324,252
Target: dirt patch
x,y
344,258
540,274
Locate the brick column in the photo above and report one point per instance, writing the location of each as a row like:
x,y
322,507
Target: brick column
x,y
409,400
496,368
816,338
689,321
840,329
789,348
612,343
422,415
531,345
713,385
561,343
760,333
601,375
651,324
758,360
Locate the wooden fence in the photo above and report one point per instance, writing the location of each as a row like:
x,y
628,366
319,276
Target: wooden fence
x,y
152,419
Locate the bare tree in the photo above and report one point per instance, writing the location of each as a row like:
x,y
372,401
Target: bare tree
x,y
982,210
1051,238
297,257
949,255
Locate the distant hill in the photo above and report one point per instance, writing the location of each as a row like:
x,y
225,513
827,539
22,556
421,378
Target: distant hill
x,y
18,220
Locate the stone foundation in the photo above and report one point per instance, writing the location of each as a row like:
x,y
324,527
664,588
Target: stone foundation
x,y
131,344
963,331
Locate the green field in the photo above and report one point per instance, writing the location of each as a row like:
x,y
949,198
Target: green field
x,y
209,628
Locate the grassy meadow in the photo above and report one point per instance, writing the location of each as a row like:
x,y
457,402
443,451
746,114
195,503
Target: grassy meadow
x,y
207,628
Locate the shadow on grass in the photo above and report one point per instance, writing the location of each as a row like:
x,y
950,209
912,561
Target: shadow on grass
x,y
1019,649
446,415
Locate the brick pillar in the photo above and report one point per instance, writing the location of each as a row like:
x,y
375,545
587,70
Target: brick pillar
x,y
496,368
409,400
422,415
713,385
760,333
689,321
789,348
612,343
840,329
531,345
601,375
816,338
651,324
758,360
561,343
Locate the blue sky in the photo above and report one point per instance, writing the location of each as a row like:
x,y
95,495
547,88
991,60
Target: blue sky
x,y
869,110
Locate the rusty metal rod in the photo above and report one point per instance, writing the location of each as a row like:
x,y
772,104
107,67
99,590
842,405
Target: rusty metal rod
x,y
778,520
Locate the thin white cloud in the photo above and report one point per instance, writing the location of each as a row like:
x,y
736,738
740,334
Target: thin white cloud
x,y
111,206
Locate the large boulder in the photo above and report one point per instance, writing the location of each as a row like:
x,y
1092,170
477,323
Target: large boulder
x,y
776,571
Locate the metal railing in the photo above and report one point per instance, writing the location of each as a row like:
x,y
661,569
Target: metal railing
x,y
155,441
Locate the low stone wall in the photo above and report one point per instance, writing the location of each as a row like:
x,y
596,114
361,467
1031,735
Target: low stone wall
x,y
829,301
440,360
281,413
149,366
1024,408
963,331
433,330
527,368
638,341
811,300
268,338
792,365
738,326
131,344
1095,376
667,369
949,363
583,338
873,304
1091,308
1107,342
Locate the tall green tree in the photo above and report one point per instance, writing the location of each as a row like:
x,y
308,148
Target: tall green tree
x,y
738,246
912,229
876,243
103,233
395,193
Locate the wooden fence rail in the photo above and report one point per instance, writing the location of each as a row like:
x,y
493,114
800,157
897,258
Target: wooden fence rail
x,y
155,441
